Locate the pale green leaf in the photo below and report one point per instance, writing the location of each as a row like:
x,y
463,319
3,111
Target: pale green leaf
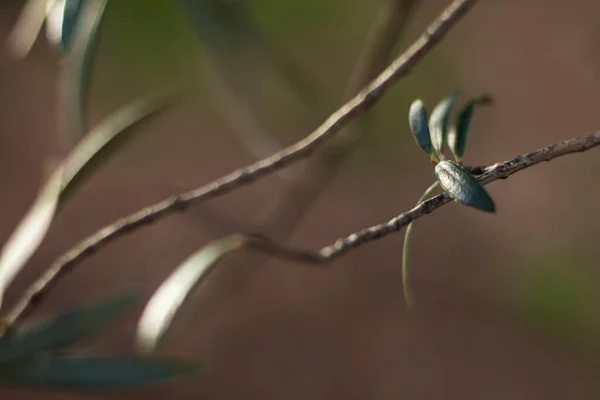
x,y
96,148
170,296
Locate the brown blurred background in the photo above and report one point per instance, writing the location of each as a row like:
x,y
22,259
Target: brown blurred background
x,y
507,304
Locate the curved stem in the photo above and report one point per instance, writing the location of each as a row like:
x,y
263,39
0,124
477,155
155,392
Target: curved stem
x,y
408,297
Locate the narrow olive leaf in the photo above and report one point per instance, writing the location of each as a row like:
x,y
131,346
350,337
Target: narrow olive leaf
x,y
96,148
79,43
438,121
417,119
95,372
237,50
26,31
160,310
64,329
30,232
61,20
408,296
104,140
459,132
463,187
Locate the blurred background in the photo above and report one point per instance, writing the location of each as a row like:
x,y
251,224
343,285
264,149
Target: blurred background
x,y
506,303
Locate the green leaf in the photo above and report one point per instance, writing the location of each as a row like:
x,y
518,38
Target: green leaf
x,y
94,372
458,134
78,40
438,121
104,140
171,294
417,120
463,187
64,329
96,148
61,21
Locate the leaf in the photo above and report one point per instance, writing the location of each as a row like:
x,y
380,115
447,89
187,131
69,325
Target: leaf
x,y
27,29
438,121
238,51
79,163
408,297
417,120
30,232
94,372
103,141
169,297
458,134
61,21
64,329
463,187
78,41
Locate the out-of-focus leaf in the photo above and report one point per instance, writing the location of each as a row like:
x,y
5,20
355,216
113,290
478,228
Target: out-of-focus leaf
x,y
438,121
238,52
417,119
96,148
459,132
61,21
78,41
95,372
62,330
104,140
169,297
463,187
28,26
30,232
408,297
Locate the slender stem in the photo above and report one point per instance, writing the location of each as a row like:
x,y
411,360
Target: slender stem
x,y
360,103
500,170
408,296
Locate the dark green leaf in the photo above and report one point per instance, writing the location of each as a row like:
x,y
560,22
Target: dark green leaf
x,y
438,121
170,296
417,119
463,187
91,372
64,329
457,136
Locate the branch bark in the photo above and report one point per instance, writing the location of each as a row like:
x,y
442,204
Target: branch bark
x,y
501,170
356,106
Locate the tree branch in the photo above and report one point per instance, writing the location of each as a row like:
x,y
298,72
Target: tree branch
x,y
501,170
360,103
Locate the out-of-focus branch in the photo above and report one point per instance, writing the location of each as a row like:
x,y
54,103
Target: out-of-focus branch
x,y
360,103
286,211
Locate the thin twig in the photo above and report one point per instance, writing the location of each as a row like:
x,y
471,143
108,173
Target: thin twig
x,y
341,246
360,103
501,170
285,212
